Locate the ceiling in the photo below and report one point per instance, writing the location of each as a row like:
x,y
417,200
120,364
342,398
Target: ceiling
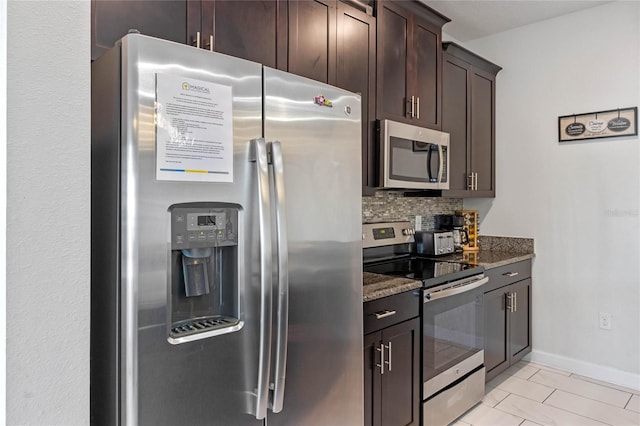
x,y
472,19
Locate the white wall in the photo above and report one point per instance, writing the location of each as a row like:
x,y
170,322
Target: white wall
x,y
3,206
48,212
578,200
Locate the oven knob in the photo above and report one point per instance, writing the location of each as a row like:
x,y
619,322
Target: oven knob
x,y
408,231
427,296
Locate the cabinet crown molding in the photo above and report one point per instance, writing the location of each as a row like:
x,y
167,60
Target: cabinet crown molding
x,y
470,57
425,12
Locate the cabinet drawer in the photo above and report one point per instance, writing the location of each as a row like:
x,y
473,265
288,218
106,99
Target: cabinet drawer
x,y
385,312
508,274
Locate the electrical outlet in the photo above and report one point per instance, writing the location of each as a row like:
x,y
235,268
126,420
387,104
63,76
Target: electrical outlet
x,y
605,320
418,222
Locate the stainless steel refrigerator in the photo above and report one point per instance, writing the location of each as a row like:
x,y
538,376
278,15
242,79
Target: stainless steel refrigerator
x,y
226,242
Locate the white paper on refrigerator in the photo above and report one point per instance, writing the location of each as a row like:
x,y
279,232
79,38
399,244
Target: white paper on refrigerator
x,y
194,130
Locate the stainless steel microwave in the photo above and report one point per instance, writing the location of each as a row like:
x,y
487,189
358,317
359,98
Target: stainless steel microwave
x,y
413,157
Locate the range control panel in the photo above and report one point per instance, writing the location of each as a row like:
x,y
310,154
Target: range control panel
x,y
198,227
386,233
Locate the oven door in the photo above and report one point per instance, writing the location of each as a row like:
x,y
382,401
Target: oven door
x,y
452,332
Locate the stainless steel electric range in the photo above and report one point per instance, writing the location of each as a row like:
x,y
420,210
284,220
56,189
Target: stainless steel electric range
x,y
452,353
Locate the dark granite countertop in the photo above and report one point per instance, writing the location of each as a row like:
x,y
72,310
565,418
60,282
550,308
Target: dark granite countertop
x,y
377,286
488,259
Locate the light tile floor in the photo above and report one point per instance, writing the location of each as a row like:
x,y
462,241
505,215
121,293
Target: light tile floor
x,y
528,394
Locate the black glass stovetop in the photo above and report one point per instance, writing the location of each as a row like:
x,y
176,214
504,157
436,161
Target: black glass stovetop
x,y
430,272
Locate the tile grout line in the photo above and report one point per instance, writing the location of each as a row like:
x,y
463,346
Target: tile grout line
x,y
628,401
549,396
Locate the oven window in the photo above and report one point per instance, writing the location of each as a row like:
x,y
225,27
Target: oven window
x,y
406,162
452,331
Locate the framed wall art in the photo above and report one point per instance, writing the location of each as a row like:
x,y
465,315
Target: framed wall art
x,y
600,124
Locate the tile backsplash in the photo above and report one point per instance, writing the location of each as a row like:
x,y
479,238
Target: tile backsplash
x,y
390,206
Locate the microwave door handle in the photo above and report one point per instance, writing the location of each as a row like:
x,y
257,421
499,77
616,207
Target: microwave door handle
x,y
429,163
440,163
429,174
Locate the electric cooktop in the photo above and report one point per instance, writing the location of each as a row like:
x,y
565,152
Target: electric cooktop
x,y
388,250
430,272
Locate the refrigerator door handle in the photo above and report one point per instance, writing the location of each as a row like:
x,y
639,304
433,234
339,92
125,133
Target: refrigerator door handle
x,y
282,314
258,154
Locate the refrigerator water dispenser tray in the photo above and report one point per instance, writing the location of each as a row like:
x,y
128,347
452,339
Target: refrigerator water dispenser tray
x,y
198,325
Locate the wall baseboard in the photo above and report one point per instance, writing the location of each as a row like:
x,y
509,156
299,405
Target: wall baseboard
x,y
587,369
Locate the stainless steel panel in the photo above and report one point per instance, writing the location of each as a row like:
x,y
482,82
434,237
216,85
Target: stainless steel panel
x,y
452,403
454,373
105,219
321,149
403,233
209,381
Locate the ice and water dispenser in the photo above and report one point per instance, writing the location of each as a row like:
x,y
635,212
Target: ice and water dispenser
x,y
204,271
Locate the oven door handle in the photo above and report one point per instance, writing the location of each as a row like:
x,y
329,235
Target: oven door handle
x,y
452,291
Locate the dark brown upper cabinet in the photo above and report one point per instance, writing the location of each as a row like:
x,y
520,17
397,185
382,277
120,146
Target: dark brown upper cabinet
x,y
311,26
252,30
468,115
409,58
356,72
245,29
170,20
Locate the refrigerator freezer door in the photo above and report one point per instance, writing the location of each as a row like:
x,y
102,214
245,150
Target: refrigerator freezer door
x,y
207,381
318,127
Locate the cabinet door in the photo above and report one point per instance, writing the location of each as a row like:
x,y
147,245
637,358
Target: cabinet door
x,y
482,131
520,320
496,357
249,30
312,39
456,111
401,379
392,60
428,91
372,405
356,32
169,20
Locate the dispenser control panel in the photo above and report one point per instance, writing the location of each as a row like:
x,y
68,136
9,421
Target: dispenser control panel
x,y
196,227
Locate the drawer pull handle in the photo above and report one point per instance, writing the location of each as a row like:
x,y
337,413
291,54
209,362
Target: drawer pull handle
x,y
384,314
511,274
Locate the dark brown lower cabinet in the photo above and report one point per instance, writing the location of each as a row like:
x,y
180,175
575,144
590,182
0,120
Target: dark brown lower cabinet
x,y
507,317
392,375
